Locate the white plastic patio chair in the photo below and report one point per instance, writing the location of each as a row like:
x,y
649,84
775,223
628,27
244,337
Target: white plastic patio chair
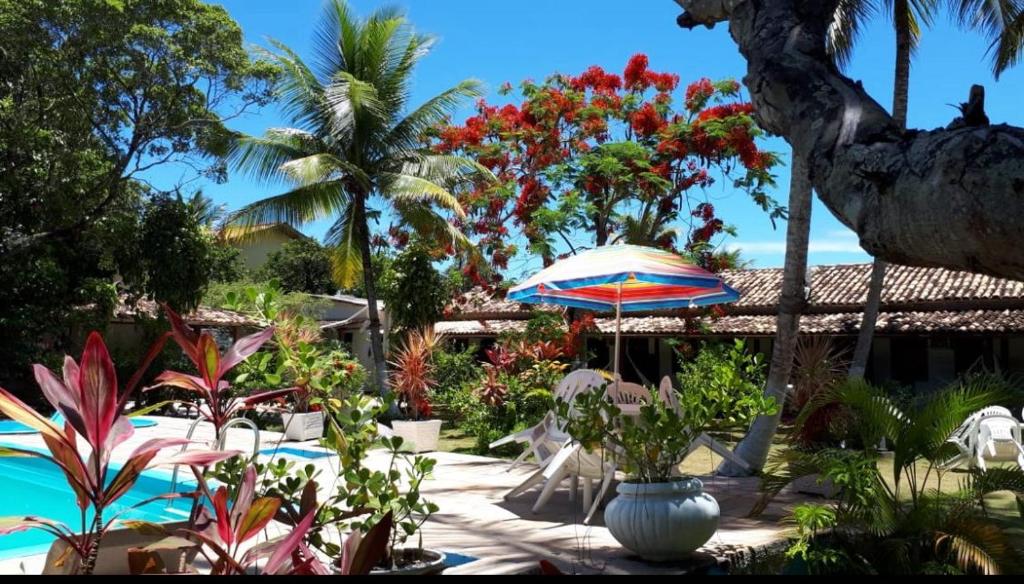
x,y
668,395
989,435
547,438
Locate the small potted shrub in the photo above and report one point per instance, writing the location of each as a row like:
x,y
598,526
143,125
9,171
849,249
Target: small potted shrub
x,y
659,514
412,380
408,511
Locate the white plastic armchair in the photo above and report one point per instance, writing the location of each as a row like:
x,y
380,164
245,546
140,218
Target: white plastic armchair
x,y
668,395
546,438
989,435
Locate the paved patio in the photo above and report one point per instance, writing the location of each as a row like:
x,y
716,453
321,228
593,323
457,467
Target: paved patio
x,y
506,537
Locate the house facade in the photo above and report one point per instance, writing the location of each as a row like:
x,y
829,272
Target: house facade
x,y
934,324
345,318
257,243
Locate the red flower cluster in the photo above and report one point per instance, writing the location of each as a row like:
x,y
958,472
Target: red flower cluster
x,y
595,78
639,78
698,94
647,121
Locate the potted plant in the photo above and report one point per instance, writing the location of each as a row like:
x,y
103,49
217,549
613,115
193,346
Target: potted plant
x,y
412,380
402,503
659,514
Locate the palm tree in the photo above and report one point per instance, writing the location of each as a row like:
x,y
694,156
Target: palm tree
x,y
756,445
1002,21
354,144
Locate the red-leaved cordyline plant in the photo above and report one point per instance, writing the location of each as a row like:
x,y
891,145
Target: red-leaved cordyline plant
x,y
220,537
212,392
94,426
413,373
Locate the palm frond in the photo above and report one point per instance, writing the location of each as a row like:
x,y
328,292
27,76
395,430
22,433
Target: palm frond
x,y
433,227
976,545
335,39
355,106
941,415
300,94
1002,22
323,167
408,133
446,169
261,158
407,190
343,242
296,207
847,23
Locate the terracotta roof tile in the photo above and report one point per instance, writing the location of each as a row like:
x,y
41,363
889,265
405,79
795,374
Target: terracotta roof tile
x,y
970,321
202,316
837,288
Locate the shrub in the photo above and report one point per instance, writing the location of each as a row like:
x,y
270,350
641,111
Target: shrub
x,y
729,375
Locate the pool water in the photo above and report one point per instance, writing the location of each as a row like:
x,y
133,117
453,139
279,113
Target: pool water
x,y
299,452
32,486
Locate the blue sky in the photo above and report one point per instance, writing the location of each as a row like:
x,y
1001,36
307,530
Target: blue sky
x,y
511,41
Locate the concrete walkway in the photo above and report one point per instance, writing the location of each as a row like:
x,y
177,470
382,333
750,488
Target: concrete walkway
x,y
506,537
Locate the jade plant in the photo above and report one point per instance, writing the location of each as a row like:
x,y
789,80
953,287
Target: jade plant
x,y
652,444
95,424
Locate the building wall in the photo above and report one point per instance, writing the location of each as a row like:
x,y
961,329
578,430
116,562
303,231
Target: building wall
x,y
255,253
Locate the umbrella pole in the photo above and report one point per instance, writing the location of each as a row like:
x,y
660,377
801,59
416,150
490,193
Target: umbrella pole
x,y
618,333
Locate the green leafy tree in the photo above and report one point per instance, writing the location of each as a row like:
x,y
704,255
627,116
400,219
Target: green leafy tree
x,y
302,265
93,95
413,290
175,253
357,141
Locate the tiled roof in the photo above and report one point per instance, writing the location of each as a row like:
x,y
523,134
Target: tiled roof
x,y
913,300
847,286
202,316
835,288
970,321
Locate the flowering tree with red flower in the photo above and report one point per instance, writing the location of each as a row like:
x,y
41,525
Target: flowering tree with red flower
x,y
601,158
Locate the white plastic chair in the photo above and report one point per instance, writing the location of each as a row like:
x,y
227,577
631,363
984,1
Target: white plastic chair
x,y
668,395
989,435
547,438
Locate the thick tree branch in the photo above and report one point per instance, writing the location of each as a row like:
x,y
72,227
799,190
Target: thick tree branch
x,y
948,197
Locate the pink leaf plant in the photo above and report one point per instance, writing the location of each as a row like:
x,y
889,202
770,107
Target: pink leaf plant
x,y
211,391
95,424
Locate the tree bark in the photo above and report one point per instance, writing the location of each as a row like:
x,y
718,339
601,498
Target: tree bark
x,y
380,372
859,364
900,105
754,448
949,198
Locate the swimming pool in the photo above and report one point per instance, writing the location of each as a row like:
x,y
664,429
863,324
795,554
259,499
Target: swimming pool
x,y
298,452
12,427
33,486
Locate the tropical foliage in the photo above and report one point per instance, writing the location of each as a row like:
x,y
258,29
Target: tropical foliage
x,y
356,142
211,392
300,357
302,265
413,377
651,445
95,424
888,517
97,95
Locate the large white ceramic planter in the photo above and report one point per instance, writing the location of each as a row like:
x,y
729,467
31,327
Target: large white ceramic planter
x,y
421,436
662,522
302,427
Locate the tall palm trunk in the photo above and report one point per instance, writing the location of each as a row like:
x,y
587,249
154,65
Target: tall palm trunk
x,y
380,374
900,104
755,446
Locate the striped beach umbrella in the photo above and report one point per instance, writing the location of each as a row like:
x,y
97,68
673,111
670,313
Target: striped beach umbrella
x,y
624,278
